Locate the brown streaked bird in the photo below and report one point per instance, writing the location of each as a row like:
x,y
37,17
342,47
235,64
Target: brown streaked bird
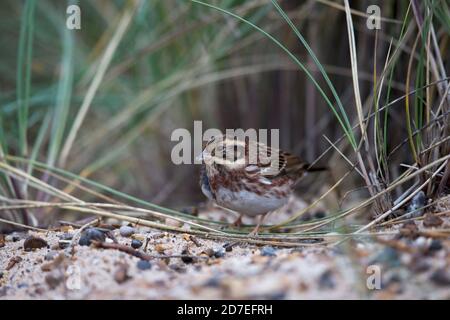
x,y
248,177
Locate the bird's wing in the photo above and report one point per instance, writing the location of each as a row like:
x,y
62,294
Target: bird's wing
x,y
270,162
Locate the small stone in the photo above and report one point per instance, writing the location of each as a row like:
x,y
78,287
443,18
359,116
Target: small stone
x,y
54,279
209,252
421,242
435,245
126,231
228,247
2,240
389,256
33,242
22,285
91,234
185,259
432,220
326,280
121,274
319,214
214,282
144,265
441,278
268,251
135,244
219,253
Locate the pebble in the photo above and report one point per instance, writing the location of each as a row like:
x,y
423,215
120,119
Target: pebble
x,y
326,280
144,265
91,234
228,247
209,252
121,274
319,214
421,242
135,244
219,253
441,277
214,281
54,278
268,251
33,242
186,259
435,245
389,257
126,231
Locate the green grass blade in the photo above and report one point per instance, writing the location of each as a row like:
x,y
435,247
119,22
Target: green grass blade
x,y
24,71
63,96
291,55
348,126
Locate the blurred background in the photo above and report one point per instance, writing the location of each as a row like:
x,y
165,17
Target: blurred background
x,y
102,101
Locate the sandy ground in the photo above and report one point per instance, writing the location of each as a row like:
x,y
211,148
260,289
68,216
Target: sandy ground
x,y
411,266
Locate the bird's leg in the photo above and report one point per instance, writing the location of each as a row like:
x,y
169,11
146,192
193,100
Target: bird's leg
x,y
260,221
237,223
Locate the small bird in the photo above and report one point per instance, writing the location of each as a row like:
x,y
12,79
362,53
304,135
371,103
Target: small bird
x,y
249,177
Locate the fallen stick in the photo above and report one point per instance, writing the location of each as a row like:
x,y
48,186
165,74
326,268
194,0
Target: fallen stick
x,y
139,254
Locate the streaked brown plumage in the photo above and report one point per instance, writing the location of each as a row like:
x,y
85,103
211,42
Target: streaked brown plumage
x,y
248,177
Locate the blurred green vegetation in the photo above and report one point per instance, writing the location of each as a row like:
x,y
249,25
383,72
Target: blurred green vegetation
x,y
102,102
